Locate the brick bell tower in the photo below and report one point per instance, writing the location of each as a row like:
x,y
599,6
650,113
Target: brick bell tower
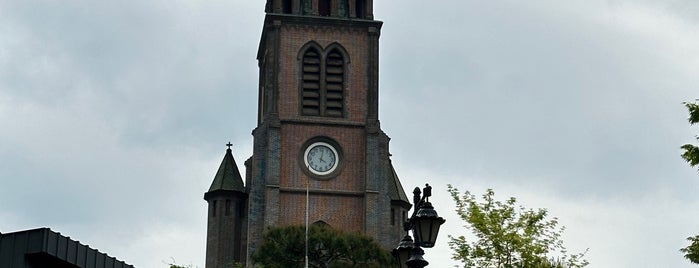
x,y
318,126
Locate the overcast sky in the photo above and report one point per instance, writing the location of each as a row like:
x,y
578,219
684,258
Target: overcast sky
x,y
114,116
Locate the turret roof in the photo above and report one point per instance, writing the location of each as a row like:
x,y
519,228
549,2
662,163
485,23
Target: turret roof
x,y
228,177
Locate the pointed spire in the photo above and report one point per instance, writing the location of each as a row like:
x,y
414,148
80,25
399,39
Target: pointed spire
x,y
228,177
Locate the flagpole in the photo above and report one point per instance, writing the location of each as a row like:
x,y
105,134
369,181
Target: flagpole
x,y
307,205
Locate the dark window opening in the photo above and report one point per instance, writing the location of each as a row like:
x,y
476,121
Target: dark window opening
x,y
360,9
324,7
228,207
213,209
393,216
286,6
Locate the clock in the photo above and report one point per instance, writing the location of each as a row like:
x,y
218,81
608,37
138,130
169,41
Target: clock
x,y
321,158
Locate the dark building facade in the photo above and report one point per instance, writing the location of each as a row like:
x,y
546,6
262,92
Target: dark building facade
x,y
317,128
44,248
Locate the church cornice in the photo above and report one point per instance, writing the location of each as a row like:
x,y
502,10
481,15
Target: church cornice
x,y
323,121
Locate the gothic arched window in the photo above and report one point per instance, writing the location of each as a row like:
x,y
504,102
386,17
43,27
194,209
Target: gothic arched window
x,y
323,81
311,82
334,83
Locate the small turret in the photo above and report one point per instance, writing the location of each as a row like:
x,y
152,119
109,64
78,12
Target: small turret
x,y
227,216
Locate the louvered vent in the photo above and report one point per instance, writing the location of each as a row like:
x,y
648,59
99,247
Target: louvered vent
x,y
334,84
311,82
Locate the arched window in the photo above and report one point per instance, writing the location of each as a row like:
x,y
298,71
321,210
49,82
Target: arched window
x,y
323,81
311,82
334,83
324,7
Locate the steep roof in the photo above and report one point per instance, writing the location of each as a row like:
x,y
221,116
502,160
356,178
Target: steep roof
x,y
396,191
228,177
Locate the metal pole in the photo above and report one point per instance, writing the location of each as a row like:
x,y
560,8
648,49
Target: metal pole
x,y
307,208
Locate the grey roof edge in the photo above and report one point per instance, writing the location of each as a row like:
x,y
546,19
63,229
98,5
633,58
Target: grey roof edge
x,y
397,193
49,243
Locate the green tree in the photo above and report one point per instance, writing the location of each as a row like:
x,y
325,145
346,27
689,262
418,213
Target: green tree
x,y
691,152
284,247
173,264
691,155
691,252
508,236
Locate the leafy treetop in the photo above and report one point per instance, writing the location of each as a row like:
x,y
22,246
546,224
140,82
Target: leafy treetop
x,y
284,247
691,152
507,235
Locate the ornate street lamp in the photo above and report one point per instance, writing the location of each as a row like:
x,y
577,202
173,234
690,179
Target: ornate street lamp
x,y
404,250
425,225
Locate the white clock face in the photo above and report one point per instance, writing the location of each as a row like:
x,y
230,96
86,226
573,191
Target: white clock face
x,y
321,158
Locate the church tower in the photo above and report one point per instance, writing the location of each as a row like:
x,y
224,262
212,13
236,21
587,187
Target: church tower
x,y
318,126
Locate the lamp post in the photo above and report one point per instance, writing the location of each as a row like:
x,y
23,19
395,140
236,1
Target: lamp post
x,y
425,226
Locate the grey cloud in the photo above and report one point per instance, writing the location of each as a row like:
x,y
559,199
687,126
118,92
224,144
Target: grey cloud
x,y
118,113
